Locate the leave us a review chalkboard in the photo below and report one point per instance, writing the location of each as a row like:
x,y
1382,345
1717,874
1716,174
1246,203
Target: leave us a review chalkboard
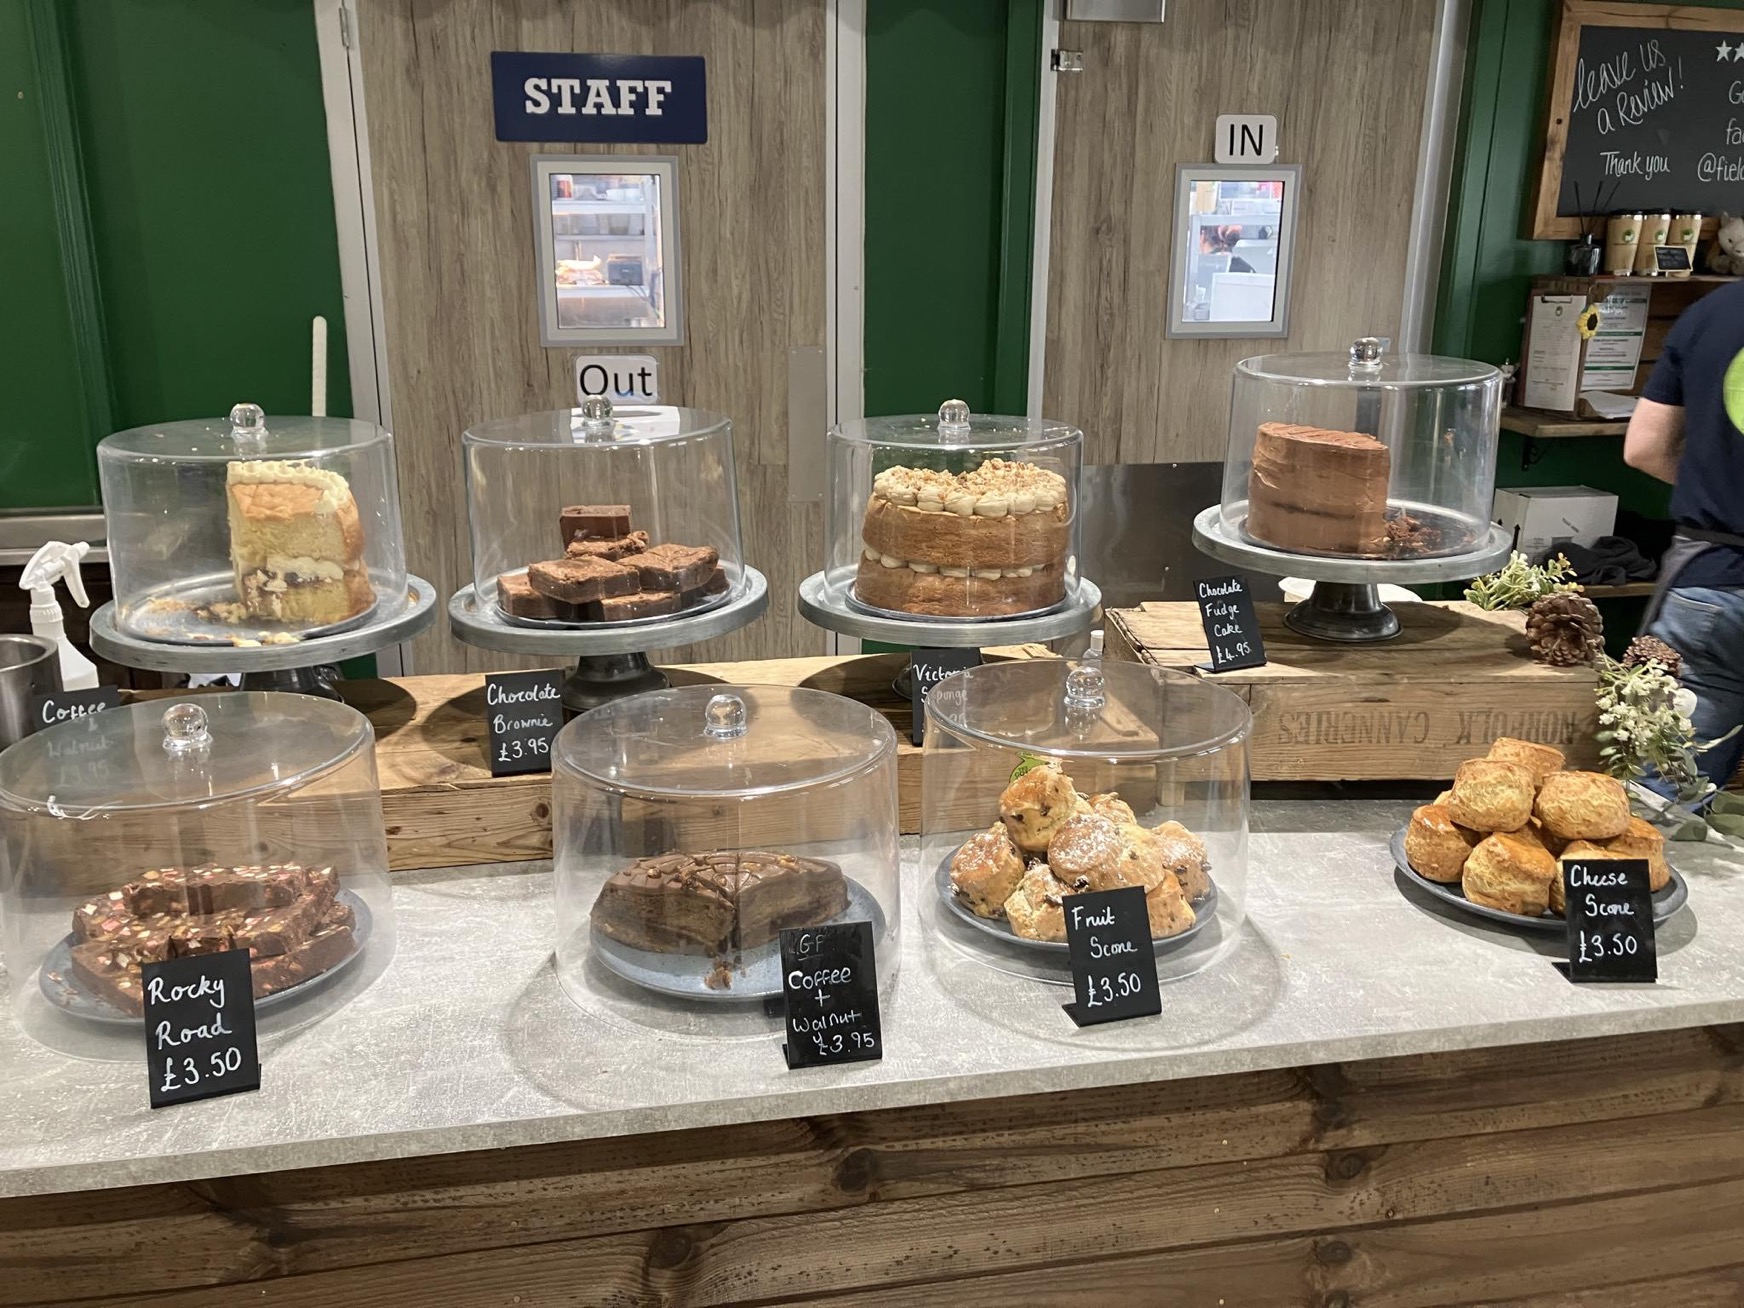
x,y
1646,114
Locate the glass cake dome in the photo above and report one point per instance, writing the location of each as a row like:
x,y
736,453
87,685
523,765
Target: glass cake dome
x,y
600,516
185,826
252,530
953,516
1362,454
692,825
1050,777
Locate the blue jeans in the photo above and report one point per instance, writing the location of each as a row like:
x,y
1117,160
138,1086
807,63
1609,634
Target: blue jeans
x,y
1706,626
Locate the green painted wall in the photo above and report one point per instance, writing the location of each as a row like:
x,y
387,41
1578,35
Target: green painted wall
x,y
1488,266
44,447
951,93
210,211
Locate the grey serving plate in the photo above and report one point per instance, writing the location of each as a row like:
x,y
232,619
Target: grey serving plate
x,y
1665,902
62,988
754,974
1000,929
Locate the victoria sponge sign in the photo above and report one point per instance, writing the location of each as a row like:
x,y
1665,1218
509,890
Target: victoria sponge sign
x,y
598,97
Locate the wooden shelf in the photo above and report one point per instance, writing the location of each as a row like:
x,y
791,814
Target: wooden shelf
x,y
1541,424
1628,590
1661,280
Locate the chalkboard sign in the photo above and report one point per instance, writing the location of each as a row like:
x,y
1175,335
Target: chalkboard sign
x,y
523,710
1671,258
1609,911
928,667
1232,631
1114,968
199,1027
65,705
1643,118
829,979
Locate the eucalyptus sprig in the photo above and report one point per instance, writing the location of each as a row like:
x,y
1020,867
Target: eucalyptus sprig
x,y
1644,727
1520,582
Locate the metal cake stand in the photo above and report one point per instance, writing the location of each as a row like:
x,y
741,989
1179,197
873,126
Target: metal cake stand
x,y
1345,604
271,667
819,607
611,661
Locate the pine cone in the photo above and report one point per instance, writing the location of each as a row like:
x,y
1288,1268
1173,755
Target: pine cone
x,y
1645,648
1565,630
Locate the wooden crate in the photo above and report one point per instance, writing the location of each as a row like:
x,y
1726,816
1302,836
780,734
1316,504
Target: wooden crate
x,y
442,807
1412,707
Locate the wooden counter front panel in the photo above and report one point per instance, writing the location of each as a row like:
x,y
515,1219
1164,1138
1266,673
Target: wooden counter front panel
x,y
1412,707
1603,1171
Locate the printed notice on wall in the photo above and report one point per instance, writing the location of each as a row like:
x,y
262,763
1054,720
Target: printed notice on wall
x,y
1614,352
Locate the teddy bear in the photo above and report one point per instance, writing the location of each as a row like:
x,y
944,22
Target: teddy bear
x,y
1726,255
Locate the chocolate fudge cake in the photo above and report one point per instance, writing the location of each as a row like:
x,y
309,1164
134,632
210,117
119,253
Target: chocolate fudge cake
x,y
718,902
987,543
287,916
1319,491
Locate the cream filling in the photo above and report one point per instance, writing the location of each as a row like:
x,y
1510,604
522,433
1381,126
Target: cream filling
x,y
944,570
933,498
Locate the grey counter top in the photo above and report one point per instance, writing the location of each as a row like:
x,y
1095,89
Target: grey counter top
x,y
467,1042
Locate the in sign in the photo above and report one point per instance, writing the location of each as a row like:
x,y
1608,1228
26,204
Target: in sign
x,y
1247,138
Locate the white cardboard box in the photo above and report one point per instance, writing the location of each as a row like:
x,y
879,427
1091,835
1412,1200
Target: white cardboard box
x,y
1542,516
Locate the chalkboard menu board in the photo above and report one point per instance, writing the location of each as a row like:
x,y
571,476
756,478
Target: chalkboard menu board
x,y
1646,118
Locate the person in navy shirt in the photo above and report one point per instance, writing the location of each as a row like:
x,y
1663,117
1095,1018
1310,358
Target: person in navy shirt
x,y
1688,429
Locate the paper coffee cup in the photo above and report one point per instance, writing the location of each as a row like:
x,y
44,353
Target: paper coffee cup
x,y
1622,234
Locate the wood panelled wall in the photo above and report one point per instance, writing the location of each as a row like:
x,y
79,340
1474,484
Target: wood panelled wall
x,y
456,234
1594,1172
1346,79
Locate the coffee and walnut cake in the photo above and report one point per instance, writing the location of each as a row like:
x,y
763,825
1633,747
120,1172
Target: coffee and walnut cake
x,y
987,543
718,903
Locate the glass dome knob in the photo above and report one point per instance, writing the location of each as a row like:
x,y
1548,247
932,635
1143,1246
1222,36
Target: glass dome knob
x,y
724,717
247,424
1365,354
185,729
1086,688
596,415
953,418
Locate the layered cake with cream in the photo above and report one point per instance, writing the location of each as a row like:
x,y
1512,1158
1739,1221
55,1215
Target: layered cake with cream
x,y
296,543
987,543
1318,491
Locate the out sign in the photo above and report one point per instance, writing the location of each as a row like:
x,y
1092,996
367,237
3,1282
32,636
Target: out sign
x,y
1247,139
621,378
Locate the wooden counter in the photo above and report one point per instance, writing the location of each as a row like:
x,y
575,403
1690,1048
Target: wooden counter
x,y
1550,1176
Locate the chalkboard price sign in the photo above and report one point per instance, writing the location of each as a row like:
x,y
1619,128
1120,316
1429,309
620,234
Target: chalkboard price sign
x,y
1671,258
1232,631
1642,119
928,667
829,979
199,1027
523,711
66,705
1609,911
1114,967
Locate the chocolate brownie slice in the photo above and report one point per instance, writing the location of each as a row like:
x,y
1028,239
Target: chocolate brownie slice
x,y
594,522
579,581
675,567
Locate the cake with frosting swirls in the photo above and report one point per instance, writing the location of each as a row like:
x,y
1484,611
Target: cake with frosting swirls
x,y
992,542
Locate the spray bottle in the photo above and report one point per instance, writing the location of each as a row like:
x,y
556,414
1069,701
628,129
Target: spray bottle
x,y
59,561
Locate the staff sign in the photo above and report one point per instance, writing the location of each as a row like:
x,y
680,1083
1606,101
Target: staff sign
x,y
599,97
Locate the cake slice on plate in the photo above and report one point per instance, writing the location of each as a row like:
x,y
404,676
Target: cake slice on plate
x,y
296,543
